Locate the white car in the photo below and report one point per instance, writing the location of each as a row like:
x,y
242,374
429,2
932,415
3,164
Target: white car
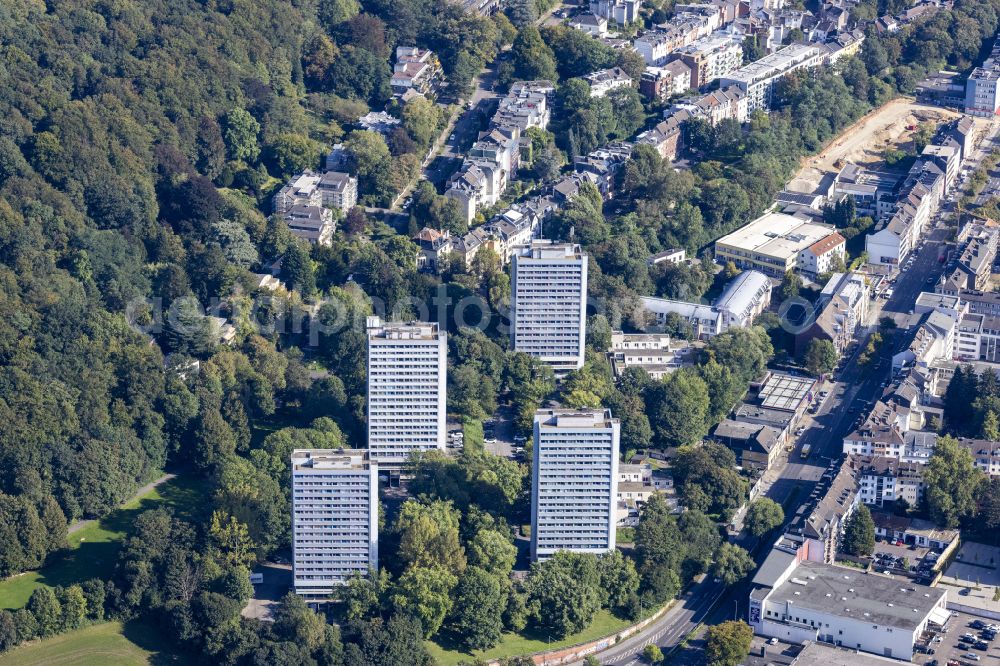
x,y
971,656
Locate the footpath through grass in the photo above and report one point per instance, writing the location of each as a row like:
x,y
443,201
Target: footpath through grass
x,y
107,644
513,645
93,550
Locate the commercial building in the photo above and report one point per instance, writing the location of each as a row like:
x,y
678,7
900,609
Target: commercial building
x,y
548,303
334,519
774,244
407,389
757,79
574,482
811,601
745,297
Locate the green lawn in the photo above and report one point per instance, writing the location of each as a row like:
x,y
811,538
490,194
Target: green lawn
x,y
108,644
517,644
94,549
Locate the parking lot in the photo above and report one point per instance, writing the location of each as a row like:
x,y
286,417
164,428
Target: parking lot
x,y
949,647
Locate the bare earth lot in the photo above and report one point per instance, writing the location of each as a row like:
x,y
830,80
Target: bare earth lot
x,y
864,141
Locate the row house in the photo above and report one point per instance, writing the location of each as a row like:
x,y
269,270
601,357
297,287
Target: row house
x,y
927,182
729,103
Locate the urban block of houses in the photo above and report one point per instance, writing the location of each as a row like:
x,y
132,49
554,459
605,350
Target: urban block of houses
x,y
655,353
926,183
842,306
604,81
977,251
874,192
745,297
415,69
776,243
777,401
728,103
493,160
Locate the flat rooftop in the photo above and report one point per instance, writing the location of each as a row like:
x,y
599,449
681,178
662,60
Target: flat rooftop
x,y
411,330
777,235
330,459
574,418
785,392
848,593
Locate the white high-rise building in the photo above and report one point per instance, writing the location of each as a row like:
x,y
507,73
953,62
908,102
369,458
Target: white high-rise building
x,y
407,393
575,482
334,518
548,303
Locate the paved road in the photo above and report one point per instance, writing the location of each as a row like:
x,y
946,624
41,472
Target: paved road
x,y
855,389
80,524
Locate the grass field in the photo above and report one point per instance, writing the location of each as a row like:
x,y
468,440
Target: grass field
x,y
107,644
93,550
516,644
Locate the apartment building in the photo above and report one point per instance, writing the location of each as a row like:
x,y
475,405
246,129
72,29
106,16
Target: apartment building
x,y
667,137
884,479
338,190
415,69
548,303
407,389
711,58
978,244
985,454
604,81
842,306
311,223
758,79
655,353
334,519
982,95
662,83
574,482
621,12
774,243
